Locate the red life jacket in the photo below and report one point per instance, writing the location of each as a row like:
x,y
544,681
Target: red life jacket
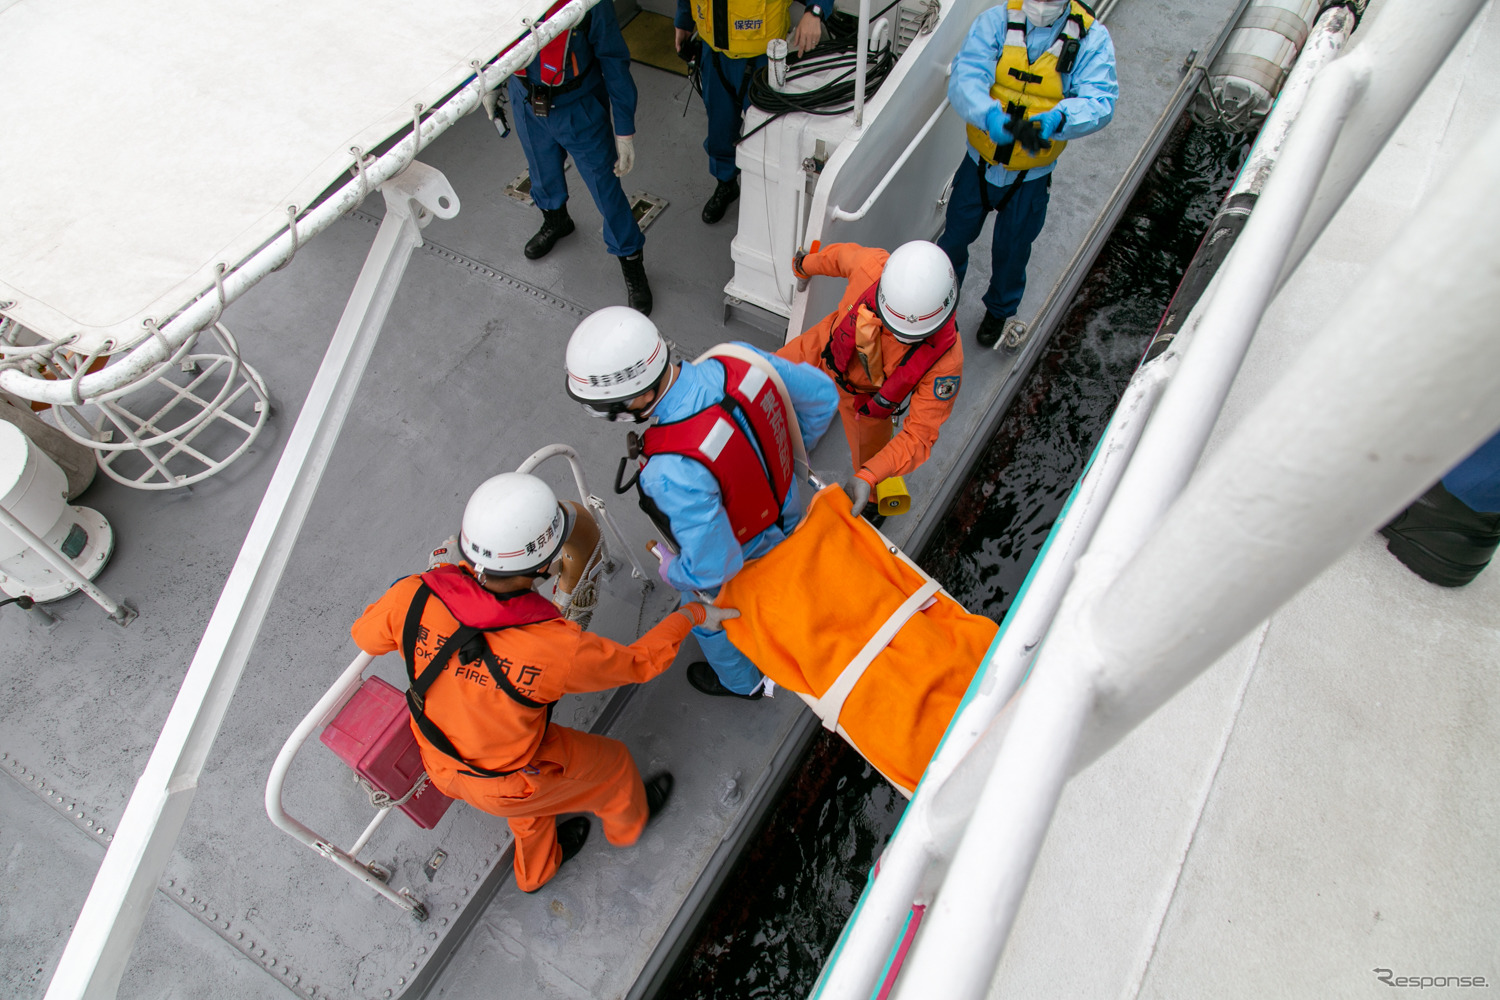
x,y
902,382
752,489
553,57
478,611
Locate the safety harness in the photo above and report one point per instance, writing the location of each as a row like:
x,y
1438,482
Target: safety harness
x,y
470,643
754,471
897,388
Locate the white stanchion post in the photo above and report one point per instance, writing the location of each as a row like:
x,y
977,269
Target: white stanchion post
x,y
106,930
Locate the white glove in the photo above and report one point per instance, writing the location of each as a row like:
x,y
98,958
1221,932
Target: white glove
x,y
859,492
625,150
716,617
446,553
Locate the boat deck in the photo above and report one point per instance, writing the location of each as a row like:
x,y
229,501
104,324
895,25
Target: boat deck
x,y
1322,802
466,381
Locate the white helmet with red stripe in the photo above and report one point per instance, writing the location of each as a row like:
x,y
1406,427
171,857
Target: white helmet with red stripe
x,y
614,355
918,291
513,525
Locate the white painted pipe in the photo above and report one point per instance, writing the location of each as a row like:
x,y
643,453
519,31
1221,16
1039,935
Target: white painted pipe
x,y
1364,421
1174,440
861,62
151,352
1358,426
1401,45
950,786
1324,44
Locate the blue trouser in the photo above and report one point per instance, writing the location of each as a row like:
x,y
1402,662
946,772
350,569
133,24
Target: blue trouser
x,y
726,93
1021,209
1476,480
734,668
577,126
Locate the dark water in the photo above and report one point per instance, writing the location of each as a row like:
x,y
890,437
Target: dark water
x,y
787,900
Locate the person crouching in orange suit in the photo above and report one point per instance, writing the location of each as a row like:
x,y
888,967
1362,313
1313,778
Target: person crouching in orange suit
x,y
487,657
892,343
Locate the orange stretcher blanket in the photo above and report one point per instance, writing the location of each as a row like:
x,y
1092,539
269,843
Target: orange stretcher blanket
x,y
812,605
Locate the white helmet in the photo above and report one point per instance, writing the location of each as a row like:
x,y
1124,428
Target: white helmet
x,y
615,355
513,525
917,291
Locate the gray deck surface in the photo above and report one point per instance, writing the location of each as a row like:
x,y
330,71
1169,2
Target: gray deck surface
x,y
1323,801
465,381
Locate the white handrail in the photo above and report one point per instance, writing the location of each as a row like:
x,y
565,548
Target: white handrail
x,y
319,716
1142,620
890,175
954,778
200,312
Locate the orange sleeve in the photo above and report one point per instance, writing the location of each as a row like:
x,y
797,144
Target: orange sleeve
x,y
600,663
837,260
919,430
378,630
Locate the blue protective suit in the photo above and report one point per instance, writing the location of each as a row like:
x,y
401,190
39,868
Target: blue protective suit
x,y
1091,90
1476,480
687,493
579,126
726,92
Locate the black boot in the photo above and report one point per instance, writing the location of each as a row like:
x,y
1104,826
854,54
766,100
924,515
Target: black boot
x,y
658,790
637,288
718,203
572,834
1443,540
556,223
990,330
702,676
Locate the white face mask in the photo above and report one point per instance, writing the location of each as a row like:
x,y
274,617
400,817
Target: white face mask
x,y
1043,12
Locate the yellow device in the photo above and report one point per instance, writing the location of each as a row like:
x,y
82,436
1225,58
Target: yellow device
x,y
891,497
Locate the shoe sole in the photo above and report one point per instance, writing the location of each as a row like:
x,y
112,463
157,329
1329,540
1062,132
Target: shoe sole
x,y
1431,566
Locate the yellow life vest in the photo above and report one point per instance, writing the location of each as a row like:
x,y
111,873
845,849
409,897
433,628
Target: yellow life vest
x,y
1035,86
741,29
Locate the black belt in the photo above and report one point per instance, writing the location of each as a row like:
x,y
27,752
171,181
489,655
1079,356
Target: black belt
x,y
562,88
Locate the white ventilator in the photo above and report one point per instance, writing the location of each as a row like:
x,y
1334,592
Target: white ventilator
x,y
918,290
32,490
614,355
513,524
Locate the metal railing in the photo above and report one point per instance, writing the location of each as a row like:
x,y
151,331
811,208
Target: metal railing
x,y
1154,571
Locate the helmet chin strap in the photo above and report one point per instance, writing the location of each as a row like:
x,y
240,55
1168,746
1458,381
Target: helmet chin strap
x,y
671,376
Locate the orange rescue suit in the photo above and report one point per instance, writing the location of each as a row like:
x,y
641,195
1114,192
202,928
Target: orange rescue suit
x,y
876,454
563,770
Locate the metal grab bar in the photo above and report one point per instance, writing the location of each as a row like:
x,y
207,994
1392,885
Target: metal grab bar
x,y
890,175
591,501
321,714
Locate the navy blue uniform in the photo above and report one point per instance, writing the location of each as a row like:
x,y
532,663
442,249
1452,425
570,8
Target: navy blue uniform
x,y
726,92
579,126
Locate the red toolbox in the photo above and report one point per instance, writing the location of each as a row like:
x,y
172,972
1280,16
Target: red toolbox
x,y
372,734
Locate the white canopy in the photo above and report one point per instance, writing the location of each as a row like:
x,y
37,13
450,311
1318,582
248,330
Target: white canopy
x,y
147,141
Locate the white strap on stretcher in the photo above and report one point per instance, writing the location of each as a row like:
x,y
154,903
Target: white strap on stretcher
x,y
831,704
799,451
